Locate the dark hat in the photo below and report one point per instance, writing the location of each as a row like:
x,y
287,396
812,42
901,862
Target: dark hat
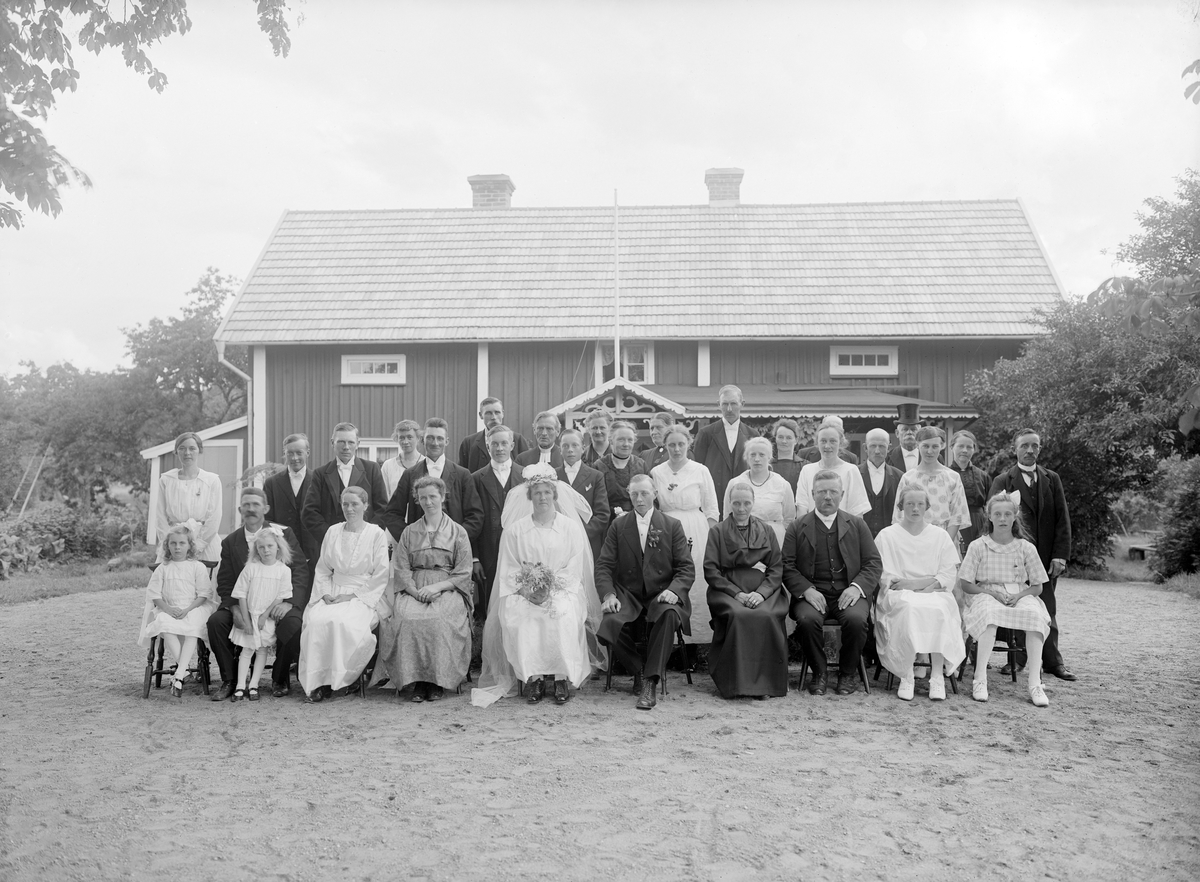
x,y
909,414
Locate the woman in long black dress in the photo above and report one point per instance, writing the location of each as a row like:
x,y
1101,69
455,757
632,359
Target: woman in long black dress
x,y
744,570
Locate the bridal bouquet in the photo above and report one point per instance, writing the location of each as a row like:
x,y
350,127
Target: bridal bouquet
x,y
536,583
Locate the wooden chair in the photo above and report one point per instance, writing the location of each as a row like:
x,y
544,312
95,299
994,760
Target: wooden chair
x,y
862,665
156,668
1007,645
640,641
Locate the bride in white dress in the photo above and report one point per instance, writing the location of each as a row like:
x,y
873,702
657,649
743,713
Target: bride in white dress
x,y
527,642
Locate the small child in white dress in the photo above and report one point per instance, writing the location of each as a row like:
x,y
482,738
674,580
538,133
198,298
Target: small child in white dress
x,y
179,600
265,581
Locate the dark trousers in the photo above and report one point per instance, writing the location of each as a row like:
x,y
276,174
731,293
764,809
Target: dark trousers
x,y
287,644
1051,657
658,645
854,620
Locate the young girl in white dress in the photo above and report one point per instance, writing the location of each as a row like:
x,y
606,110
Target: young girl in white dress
x,y
179,600
265,581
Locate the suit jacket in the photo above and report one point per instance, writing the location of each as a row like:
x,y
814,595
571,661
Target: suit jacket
x,y
813,454
883,506
589,483
637,577
711,451
234,554
486,546
861,557
323,501
474,455
461,503
534,455
896,459
1044,508
652,454
287,507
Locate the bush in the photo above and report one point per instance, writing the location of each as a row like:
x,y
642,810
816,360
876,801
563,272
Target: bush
x,y
59,531
1178,549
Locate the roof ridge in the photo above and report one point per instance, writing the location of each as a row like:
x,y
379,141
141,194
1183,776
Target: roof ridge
x,y
608,208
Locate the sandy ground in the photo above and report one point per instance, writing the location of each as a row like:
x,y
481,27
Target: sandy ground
x,y
97,783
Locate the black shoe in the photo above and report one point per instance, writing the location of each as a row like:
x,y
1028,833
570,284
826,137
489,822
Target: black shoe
x,y
1007,670
281,690
647,699
816,684
638,684
316,696
224,692
561,693
434,692
535,690
419,694
1062,672
846,686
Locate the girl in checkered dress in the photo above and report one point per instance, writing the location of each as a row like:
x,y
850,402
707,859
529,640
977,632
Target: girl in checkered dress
x,y
1002,575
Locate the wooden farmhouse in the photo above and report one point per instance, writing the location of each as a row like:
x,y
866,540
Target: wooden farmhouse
x,y
848,309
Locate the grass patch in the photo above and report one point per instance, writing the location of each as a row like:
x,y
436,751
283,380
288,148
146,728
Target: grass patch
x,y
1184,583
1118,566
71,578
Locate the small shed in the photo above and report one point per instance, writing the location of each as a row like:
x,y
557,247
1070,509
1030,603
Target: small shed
x,y
224,454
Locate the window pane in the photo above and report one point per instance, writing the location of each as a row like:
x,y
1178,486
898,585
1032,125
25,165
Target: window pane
x,y
636,373
856,359
356,367
883,360
843,360
869,358
392,367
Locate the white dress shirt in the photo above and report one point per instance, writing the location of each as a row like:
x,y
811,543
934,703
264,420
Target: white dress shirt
x,y
502,470
911,458
877,473
731,433
1029,473
435,466
344,472
643,524
827,520
544,453
297,478
572,472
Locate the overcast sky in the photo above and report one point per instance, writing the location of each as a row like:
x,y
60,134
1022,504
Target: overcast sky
x,y
1074,107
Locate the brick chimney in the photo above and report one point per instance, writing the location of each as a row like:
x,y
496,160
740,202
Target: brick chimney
x,y
491,191
724,187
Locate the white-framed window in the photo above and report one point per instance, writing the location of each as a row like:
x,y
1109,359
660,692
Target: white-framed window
x,y
378,450
864,361
373,370
637,361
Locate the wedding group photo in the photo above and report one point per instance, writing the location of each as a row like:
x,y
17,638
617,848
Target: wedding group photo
x,y
671,441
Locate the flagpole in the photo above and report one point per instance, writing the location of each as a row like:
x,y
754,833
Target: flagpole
x,y
616,290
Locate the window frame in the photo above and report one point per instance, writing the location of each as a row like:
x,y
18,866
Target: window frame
x,y
892,369
400,378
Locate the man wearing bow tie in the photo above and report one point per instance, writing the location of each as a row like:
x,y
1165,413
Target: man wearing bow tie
x,y
588,483
1044,510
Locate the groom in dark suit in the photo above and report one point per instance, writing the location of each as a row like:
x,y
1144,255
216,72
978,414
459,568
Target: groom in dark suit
x,y
492,483
473,453
285,495
719,445
462,500
588,483
1044,510
645,571
323,501
288,614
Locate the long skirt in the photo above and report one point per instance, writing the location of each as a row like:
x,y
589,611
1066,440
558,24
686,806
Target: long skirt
x,y
695,527
335,644
425,642
909,622
551,639
749,646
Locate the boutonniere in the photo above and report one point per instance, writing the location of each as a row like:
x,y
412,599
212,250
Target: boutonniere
x,y
652,537
672,486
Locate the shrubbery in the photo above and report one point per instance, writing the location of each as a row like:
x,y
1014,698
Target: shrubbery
x,y
1178,548
55,531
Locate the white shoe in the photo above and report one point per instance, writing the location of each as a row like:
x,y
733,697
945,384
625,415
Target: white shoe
x,y
1038,696
906,690
937,689
979,690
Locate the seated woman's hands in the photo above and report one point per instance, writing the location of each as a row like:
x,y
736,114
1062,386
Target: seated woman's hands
x,y
920,583
749,600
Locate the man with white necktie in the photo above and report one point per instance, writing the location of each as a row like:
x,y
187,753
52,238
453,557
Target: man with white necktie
x,y
545,436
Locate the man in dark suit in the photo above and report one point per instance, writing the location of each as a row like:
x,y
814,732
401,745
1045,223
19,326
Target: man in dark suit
x,y
545,436
288,614
645,571
881,482
323,499
492,483
831,568
285,495
462,501
904,455
813,454
1044,510
588,483
718,445
473,453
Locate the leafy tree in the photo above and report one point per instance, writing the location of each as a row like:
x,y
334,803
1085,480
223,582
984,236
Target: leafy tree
x,y
1104,400
36,63
178,356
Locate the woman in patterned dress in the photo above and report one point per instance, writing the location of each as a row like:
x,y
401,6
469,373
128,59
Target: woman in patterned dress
x,y
686,492
190,496
942,485
774,500
427,641
1001,576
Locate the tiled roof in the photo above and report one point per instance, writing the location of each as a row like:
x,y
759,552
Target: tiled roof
x,y
874,270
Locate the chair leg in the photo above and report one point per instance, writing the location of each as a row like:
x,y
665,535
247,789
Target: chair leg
x,y
687,659
878,669
954,684
149,668
158,668
862,673
608,673
803,672
202,663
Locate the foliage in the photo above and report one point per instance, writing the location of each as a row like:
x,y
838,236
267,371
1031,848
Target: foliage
x,y
1104,401
1148,507
1178,549
59,531
36,63
179,359
1169,244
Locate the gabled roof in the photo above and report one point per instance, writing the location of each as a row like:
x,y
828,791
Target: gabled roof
x,y
205,434
868,270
